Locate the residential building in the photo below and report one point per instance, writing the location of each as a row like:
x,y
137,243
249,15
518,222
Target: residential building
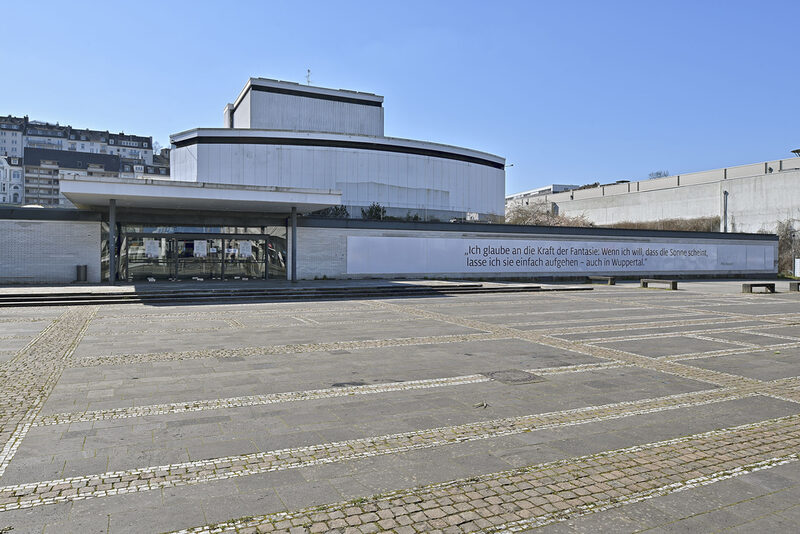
x,y
12,131
137,169
17,133
45,168
44,135
93,141
129,156
12,184
131,147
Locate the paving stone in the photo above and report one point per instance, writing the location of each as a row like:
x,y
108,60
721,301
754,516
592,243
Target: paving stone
x,y
210,414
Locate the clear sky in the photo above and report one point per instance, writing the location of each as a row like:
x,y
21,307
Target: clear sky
x,y
568,92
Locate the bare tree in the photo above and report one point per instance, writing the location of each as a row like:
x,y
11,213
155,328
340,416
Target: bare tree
x,y
375,212
658,174
788,244
541,213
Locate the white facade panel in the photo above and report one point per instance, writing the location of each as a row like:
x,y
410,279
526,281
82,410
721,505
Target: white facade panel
x,y
405,182
271,111
241,114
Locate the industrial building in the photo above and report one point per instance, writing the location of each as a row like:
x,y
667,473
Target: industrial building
x,y
746,198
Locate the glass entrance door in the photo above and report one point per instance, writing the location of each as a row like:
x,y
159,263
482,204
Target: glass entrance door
x,y
245,258
204,256
150,257
199,258
276,256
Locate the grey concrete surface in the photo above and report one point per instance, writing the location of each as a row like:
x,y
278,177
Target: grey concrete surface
x,y
265,417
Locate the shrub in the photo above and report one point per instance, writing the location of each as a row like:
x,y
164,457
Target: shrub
x,y
375,212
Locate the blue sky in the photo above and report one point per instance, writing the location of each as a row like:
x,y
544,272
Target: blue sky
x,y
569,92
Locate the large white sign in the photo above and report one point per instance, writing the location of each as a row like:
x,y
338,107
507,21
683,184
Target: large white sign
x,y
245,249
200,248
383,255
152,248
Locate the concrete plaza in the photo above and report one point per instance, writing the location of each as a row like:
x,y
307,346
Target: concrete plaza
x,y
618,409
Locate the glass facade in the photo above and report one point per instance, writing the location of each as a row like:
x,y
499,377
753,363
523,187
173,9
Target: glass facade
x,y
198,252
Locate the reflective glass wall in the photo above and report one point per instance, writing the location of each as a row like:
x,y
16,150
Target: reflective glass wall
x,y
200,253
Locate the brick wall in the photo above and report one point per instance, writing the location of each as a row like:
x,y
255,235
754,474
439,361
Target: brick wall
x,y
38,252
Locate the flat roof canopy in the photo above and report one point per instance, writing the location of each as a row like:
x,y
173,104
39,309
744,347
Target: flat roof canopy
x,y
165,194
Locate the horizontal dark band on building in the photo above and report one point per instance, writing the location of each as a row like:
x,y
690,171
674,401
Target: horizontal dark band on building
x,y
318,96
334,143
533,232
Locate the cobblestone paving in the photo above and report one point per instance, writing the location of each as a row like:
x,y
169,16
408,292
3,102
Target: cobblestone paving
x,y
383,417
26,380
538,495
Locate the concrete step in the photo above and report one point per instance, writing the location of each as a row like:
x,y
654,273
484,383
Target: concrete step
x,y
220,296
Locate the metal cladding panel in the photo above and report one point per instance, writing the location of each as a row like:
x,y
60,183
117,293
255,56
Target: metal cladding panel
x,y
242,113
184,164
404,181
272,111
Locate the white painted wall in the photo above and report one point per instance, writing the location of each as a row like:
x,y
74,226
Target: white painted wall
x,y
48,251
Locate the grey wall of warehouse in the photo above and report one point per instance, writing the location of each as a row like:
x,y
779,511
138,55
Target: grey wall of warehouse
x,y
755,203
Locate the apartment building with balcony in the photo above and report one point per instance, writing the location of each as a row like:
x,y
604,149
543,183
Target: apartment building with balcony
x,y
128,155
45,168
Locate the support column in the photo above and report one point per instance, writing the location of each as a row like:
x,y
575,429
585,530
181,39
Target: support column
x,y
725,211
112,241
294,244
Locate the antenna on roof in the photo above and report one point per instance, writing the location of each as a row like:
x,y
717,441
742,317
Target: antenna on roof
x,y
308,76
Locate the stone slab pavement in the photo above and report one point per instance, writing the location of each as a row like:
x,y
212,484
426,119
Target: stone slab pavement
x,y
619,409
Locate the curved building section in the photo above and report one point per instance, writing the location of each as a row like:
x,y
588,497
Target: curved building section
x,y
429,180
283,134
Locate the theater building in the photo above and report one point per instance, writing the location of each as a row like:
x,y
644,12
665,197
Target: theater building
x,y
239,204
